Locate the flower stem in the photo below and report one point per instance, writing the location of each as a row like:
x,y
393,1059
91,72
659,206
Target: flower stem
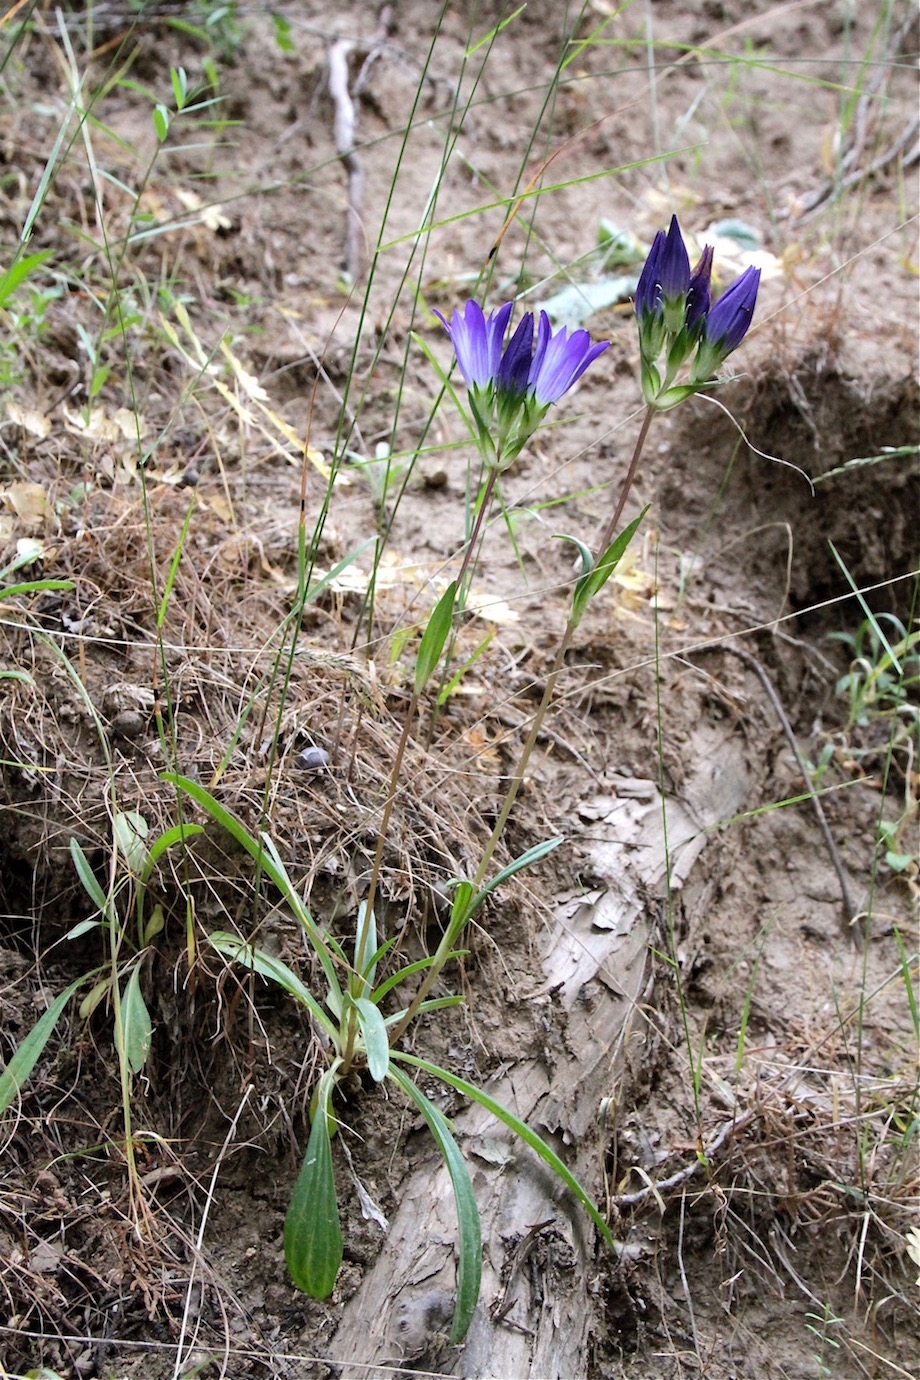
x,y
610,529
474,538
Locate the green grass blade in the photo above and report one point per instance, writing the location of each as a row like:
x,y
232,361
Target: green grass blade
x,y
908,983
18,271
374,1034
520,1128
275,970
312,1231
19,1070
469,1256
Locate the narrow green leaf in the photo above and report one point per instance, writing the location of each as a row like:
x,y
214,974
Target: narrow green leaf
x,y
155,925
332,575
19,1069
94,996
81,927
520,1128
174,566
588,584
587,560
469,1255
312,1231
18,271
466,904
161,121
366,947
179,833
34,587
433,1004
410,970
88,877
276,970
374,1034
136,1022
434,637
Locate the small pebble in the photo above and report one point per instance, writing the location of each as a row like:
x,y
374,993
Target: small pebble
x,y
128,723
312,759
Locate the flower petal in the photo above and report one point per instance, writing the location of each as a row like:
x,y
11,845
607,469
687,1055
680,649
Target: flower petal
x,y
559,361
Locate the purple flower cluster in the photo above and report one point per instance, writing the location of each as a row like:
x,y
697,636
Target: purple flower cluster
x,y
512,386
676,315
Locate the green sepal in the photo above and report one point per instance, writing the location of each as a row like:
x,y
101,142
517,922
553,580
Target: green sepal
x,y
671,397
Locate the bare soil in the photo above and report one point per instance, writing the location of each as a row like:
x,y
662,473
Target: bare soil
x,y
748,1119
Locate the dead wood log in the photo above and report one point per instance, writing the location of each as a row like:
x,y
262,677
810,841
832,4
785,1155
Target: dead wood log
x,y
535,1310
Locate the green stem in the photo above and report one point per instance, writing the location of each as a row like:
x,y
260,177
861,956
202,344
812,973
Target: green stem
x,y
610,529
385,824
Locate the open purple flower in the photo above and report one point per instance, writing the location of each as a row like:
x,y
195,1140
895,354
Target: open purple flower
x,y
559,361
477,341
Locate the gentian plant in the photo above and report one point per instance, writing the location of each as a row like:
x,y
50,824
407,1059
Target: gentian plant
x,y
510,387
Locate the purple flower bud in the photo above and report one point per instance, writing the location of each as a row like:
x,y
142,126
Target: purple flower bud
x,y
725,325
648,289
674,268
515,363
698,294
662,291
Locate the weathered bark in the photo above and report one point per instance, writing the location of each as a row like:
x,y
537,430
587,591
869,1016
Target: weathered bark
x,y
535,1308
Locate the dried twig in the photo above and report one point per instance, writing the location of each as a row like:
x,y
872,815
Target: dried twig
x,y
345,125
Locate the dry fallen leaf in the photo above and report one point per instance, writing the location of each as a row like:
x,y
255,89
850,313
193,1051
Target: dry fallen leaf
x,y
36,423
28,501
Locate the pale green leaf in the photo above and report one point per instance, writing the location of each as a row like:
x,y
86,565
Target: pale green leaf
x,y
135,1019
374,1035
469,1254
520,1128
276,970
19,1069
434,637
312,1231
